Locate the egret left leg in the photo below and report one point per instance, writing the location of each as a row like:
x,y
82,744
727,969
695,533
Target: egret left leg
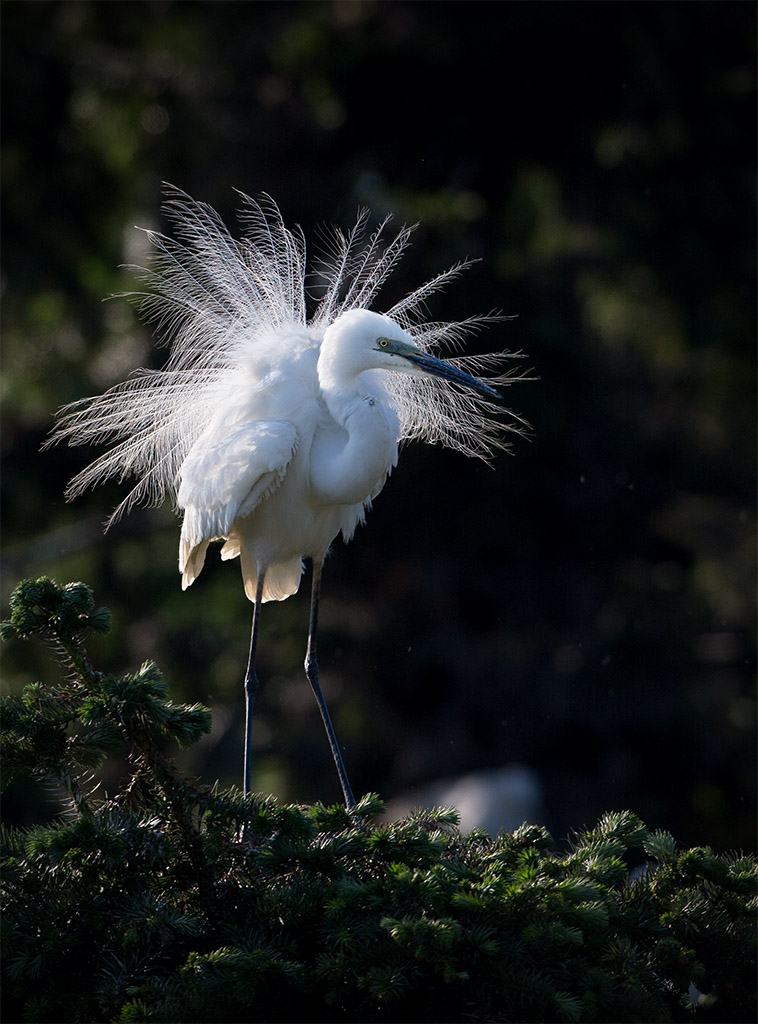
x,y
311,670
251,682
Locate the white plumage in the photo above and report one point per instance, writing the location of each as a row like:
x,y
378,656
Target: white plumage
x,y
271,430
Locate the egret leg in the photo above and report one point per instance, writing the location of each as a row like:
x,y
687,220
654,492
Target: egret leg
x,y
251,683
311,670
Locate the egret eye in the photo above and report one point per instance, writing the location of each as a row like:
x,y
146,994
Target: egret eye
x,y
382,342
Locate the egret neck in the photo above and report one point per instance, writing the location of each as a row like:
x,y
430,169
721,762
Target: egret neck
x,y
353,454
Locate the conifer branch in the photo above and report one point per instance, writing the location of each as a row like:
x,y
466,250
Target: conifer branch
x,y
172,902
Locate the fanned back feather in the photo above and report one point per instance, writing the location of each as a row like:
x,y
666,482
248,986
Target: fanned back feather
x,y
214,298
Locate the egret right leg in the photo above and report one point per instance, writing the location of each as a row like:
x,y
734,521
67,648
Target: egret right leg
x,y
311,670
251,683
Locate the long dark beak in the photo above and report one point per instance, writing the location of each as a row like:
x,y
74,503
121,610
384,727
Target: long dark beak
x,y
439,368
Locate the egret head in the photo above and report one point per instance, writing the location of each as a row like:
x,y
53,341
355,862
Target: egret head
x,y
372,341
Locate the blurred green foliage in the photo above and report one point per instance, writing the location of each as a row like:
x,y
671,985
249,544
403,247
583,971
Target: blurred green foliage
x,y
588,608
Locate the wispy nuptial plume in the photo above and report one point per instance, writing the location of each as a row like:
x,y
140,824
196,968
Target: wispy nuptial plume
x,y
214,299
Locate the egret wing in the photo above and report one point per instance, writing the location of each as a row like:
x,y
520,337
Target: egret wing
x,y
223,480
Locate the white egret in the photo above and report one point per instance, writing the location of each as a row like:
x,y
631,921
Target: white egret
x,y
273,431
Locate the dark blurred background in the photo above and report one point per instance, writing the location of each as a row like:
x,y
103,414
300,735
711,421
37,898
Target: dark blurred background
x,y
587,608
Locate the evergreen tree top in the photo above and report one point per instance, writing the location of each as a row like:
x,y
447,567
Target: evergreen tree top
x,y
171,901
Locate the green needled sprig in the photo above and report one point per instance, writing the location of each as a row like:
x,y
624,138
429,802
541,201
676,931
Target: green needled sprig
x,y
169,901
